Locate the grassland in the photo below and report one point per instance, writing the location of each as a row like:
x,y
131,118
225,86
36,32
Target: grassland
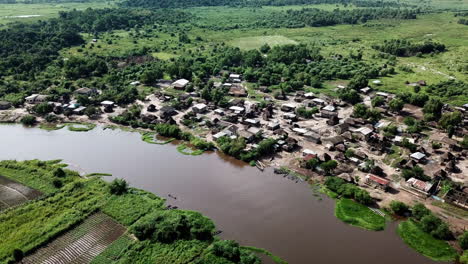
x,y
256,42
10,12
424,243
358,215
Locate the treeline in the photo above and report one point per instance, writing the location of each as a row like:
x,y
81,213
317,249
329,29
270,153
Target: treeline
x,y
28,48
253,3
319,18
406,48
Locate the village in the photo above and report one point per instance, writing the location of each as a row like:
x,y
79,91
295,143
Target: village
x,y
382,157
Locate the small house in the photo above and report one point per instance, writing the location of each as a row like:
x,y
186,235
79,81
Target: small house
x,y
237,91
363,132
288,107
234,77
237,109
167,111
273,126
135,83
180,84
249,137
252,122
300,131
306,152
79,111
199,108
312,137
219,112
341,128
329,108
318,101
219,135
35,99
419,186
309,95
365,90
85,91
290,116
418,157
108,106
377,182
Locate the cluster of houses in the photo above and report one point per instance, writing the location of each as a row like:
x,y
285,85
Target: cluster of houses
x,y
333,131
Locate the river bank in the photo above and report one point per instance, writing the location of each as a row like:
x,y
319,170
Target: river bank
x,y
247,205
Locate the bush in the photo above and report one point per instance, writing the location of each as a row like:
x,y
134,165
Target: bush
x,y
57,183
463,240
419,211
118,186
59,173
398,207
328,166
28,120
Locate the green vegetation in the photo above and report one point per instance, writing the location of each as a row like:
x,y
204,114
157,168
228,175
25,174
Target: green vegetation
x,y
81,127
399,208
358,215
149,137
413,235
186,150
348,190
275,259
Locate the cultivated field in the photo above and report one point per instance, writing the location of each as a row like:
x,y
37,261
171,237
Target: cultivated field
x,y
80,245
13,193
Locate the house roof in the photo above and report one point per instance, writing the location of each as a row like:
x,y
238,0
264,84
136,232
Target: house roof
x,y
200,106
330,108
364,130
181,82
418,155
420,185
309,152
377,179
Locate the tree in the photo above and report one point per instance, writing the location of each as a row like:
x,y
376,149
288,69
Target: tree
x,y
377,101
349,95
28,120
118,186
265,48
360,110
396,105
358,81
442,232
91,111
362,196
151,76
328,166
463,240
419,211
430,223
43,108
59,173
432,109
18,255
398,207
450,119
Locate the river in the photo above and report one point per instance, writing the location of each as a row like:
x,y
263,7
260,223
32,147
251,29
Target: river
x,y
256,208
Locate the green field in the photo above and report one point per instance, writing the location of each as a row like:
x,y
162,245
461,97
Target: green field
x,y
10,12
257,42
424,243
358,215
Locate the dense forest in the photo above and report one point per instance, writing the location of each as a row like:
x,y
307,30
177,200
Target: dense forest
x,y
405,48
250,3
28,48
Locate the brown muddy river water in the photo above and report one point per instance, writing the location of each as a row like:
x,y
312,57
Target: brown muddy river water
x,y
257,209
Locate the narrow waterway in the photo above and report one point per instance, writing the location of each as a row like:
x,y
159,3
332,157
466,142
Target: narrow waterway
x,y
258,209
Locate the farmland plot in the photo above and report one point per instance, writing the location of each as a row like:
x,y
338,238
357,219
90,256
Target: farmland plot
x,y
80,245
13,193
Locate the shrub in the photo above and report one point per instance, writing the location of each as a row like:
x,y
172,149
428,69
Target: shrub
x,y
398,207
463,240
419,211
59,173
28,120
118,186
